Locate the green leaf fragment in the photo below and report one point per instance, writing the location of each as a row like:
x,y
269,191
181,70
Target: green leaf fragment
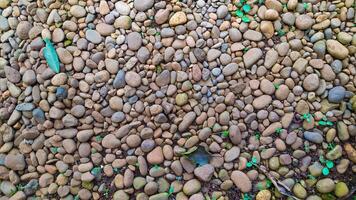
x,y
249,164
329,164
51,56
67,42
170,190
239,13
246,8
325,171
254,160
321,159
245,19
225,134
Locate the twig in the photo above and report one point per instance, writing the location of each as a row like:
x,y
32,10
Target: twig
x,y
281,187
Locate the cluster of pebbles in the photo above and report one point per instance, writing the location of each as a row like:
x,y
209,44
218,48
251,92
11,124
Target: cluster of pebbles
x,y
143,83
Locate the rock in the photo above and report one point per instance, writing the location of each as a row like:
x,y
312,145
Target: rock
x,y
232,154
111,142
222,11
191,187
163,78
77,11
241,181
119,81
25,107
143,54
213,54
299,191
15,162
160,196
267,87
187,121
230,69
300,65
271,58
336,94
313,137
4,3
133,79
12,74
143,5
351,152
267,29
264,195
23,29
121,195
311,82
123,22
134,41
336,49
262,101
29,77
93,36
344,38
342,131
204,173
122,8
162,16
325,185
252,56
341,189
304,22
178,18
235,35
38,115
199,54
155,156
252,35
104,29
7,188
335,153
181,99
102,76
64,56
315,169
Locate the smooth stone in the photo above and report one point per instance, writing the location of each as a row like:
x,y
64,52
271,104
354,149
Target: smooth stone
x,y
336,94
313,137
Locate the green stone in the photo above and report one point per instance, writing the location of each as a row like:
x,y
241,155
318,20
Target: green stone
x,y
160,196
325,185
139,182
181,99
299,191
341,189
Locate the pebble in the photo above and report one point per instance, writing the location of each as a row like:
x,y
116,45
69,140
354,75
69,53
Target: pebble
x,y
132,79
304,22
311,82
191,187
336,94
241,180
23,29
178,18
143,5
93,36
325,185
336,49
134,41
204,173
252,56
313,137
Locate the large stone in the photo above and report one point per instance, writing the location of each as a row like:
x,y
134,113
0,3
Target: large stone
x,y
241,181
178,18
15,162
252,56
336,49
